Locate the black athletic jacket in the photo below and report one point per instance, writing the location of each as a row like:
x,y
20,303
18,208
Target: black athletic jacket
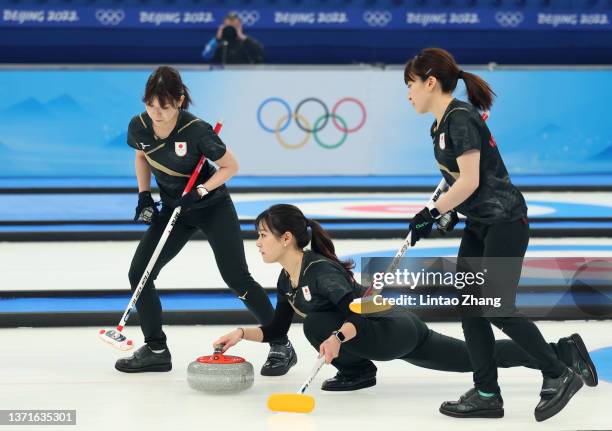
x,y
324,285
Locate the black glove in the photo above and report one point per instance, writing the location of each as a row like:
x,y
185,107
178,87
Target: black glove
x,y
447,222
190,199
146,211
421,225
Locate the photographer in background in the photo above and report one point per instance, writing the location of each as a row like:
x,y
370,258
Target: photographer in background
x,y
231,45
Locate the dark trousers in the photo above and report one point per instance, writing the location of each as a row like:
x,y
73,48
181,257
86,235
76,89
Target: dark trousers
x,y
491,242
403,335
221,226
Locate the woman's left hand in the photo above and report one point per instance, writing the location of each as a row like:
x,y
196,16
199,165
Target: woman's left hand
x,y
330,349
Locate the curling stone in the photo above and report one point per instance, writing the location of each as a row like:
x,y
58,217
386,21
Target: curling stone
x,y
219,373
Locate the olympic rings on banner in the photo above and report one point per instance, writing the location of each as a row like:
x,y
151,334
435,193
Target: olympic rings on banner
x,y
280,139
319,124
363,115
248,17
344,135
325,115
110,16
509,19
270,100
377,18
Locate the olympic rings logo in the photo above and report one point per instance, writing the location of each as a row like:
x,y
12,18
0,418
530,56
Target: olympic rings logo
x,y
248,17
110,16
509,19
304,124
375,18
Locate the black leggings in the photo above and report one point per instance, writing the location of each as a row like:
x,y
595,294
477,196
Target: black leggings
x,y
220,224
502,240
402,335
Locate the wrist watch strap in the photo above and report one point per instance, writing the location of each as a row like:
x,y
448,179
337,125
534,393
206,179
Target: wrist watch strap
x,y
202,190
340,336
434,211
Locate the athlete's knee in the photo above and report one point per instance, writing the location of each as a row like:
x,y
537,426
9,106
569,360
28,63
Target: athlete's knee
x,y
310,329
135,275
319,326
245,288
239,281
312,339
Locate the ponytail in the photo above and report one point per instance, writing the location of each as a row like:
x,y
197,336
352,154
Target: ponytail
x,y
321,243
478,90
440,64
283,218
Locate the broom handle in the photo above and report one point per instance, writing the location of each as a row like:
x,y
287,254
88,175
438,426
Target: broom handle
x,y
313,374
400,253
442,187
162,241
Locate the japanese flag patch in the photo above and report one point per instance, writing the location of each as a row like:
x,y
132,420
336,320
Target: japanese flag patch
x,y
441,142
306,292
180,148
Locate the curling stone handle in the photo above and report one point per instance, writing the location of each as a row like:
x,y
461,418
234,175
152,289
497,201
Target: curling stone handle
x,y
219,348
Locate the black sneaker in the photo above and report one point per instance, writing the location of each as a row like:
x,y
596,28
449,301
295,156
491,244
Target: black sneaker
x,y
144,360
344,382
556,393
280,359
473,405
572,351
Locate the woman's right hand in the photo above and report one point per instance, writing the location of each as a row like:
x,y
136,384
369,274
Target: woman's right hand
x,y
230,339
146,210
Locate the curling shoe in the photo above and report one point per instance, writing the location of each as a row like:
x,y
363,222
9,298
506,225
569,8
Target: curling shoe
x,y
473,405
556,393
280,359
345,382
573,352
145,360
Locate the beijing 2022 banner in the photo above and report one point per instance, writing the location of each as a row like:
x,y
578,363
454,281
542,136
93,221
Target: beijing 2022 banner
x,y
345,18
290,121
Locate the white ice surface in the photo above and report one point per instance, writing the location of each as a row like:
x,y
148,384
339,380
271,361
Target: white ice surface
x,y
104,265
69,368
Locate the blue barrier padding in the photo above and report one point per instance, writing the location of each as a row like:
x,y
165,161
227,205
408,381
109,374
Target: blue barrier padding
x,y
314,181
83,207
205,301
76,228
603,362
227,301
249,227
452,251
119,206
